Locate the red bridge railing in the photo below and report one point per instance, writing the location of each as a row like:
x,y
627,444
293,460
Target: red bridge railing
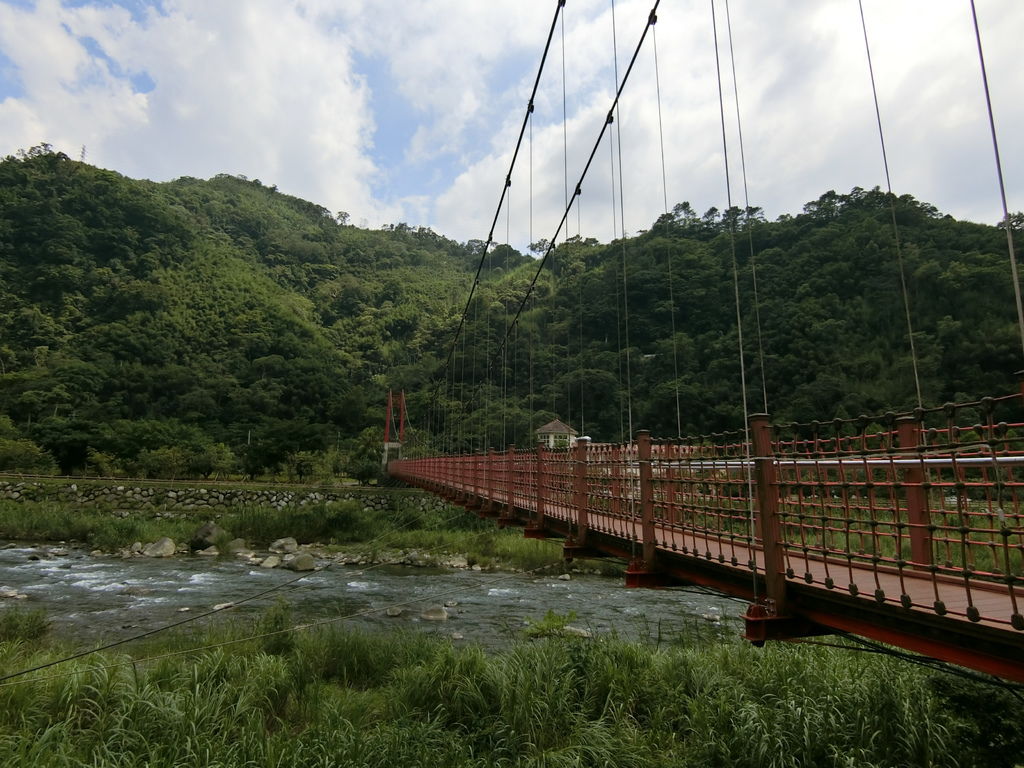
x,y
870,525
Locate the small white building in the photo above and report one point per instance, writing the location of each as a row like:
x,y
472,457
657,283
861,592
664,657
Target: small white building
x,y
556,434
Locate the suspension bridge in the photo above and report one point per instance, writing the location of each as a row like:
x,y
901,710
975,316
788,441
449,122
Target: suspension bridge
x,y
905,528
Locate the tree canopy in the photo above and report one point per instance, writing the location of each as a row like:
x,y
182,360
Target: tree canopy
x,y
212,326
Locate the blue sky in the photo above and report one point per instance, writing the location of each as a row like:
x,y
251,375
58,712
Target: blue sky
x,y
409,111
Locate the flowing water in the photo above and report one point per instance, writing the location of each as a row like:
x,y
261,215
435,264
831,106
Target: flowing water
x,y
103,598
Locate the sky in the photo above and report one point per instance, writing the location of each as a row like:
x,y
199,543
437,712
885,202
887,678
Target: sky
x,y
409,110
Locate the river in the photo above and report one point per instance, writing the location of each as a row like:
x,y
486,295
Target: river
x,y
99,598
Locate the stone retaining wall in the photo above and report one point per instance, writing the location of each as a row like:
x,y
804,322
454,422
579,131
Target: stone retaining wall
x,y
197,498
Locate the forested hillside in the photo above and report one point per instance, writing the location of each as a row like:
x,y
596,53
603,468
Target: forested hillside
x,y
833,329
212,327
165,328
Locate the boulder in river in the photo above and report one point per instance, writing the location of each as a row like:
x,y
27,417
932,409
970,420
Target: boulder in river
x,y
205,536
209,552
237,545
394,611
162,547
435,613
270,561
301,562
285,546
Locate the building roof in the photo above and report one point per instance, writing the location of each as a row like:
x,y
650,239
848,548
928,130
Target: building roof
x,y
556,427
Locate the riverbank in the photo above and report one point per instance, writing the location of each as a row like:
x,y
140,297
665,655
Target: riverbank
x,y
400,529
383,694
333,696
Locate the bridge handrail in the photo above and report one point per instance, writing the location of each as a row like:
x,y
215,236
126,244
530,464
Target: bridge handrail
x,y
933,505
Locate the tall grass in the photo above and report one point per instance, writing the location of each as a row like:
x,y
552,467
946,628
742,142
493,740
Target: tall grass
x,y
402,526
347,698
25,624
98,527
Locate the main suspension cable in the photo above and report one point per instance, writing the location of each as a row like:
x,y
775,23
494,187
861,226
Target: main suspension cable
x,y
560,5
586,168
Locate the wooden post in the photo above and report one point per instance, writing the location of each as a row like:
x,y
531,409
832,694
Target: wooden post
x,y
908,431
643,445
580,490
766,511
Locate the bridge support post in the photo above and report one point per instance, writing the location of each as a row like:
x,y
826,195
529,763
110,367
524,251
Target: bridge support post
x,y
766,510
643,572
490,506
579,493
535,530
908,431
479,470
508,508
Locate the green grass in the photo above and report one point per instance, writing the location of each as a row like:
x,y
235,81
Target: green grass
x,y
97,527
340,697
25,624
345,525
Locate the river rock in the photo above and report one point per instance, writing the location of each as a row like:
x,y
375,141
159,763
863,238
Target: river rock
x,y
209,552
223,606
136,548
205,536
435,613
162,547
570,631
394,611
301,562
565,577
285,546
457,562
237,545
11,593
270,561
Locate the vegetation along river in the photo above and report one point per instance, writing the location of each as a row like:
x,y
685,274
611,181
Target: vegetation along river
x,y
90,598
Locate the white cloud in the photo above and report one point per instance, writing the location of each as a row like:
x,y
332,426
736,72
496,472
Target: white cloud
x,y
271,89
259,89
808,115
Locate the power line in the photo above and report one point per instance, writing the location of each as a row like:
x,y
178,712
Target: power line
x,y
234,604
260,636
